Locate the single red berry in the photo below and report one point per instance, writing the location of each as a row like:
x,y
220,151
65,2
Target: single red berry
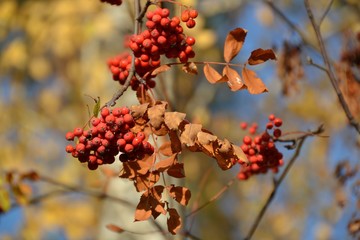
x,y
191,23
140,135
121,143
136,141
162,40
243,125
116,112
109,135
82,139
277,133
92,166
128,119
252,130
69,136
271,117
78,131
96,141
175,21
247,140
104,112
269,125
92,158
105,143
185,15
69,149
139,39
190,41
110,119
278,122
265,137
242,176
165,22
123,158
193,13
101,150
156,18
129,148
149,15
101,127
128,137
165,12
80,147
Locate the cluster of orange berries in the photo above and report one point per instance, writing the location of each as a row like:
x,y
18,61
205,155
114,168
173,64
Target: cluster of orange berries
x,y
261,149
108,135
163,36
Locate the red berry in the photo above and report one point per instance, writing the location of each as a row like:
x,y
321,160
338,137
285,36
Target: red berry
x,y
129,148
247,140
69,149
104,112
109,135
277,133
185,15
121,143
110,119
278,122
116,112
80,147
128,137
128,119
193,13
269,125
243,125
69,136
78,131
190,41
191,23
271,117
164,12
156,18
136,141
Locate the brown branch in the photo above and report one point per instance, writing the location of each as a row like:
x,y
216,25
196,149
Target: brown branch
x,y
300,142
328,68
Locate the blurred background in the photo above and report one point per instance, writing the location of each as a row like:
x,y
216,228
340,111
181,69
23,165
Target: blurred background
x,y
53,57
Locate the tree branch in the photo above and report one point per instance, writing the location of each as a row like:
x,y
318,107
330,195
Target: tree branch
x,y
328,68
300,142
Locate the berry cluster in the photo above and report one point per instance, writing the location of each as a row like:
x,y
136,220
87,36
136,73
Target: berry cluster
x,y
110,134
188,16
163,36
113,2
261,150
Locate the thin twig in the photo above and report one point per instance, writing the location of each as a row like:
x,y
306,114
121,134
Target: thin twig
x,y
214,198
328,67
326,11
300,142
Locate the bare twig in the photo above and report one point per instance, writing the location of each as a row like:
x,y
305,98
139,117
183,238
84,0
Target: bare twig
x,y
328,69
326,11
300,142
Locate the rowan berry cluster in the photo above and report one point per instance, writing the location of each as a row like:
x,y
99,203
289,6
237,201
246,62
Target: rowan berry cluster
x,y
163,36
113,2
108,135
261,149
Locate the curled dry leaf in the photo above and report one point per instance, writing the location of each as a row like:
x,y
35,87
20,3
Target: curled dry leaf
x,y
260,55
233,43
165,164
115,228
212,75
138,111
181,194
144,182
165,149
190,68
234,80
189,135
173,119
240,155
162,68
175,142
174,221
176,170
253,83
156,114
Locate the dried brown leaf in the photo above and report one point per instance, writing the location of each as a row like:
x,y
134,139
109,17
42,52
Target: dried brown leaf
x,y
143,209
128,171
162,68
115,228
260,55
181,194
173,119
175,142
234,80
156,114
239,154
212,75
233,43
174,221
165,164
138,111
190,68
145,182
253,83
165,149
206,138
143,96
189,135
176,170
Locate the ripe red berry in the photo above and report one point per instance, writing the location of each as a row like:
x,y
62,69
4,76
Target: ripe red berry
x,y
116,112
69,136
185,15
193,13
128,137
271,117
69,149
277,133
78,131
269,125
247,140
121,143
278,122
164,12
190,41
110,119
80,147
191,23
109,135
129,148
128,119
104,112
243,125
136,141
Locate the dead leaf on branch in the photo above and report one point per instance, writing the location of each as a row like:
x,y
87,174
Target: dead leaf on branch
x,y
190,68
143,209
234,80
138,111
144,182
181,194
175,142
174,221
260,55
165,149
176,170
165,164
174,119
212,75
161,69
189,135
253,83
233,43
156,114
